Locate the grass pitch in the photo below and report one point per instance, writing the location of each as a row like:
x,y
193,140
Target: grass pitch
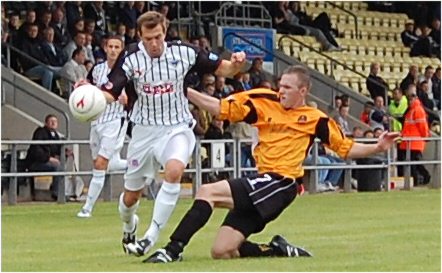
x,y
395,231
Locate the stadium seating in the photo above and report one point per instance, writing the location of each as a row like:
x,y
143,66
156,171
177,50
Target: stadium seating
x,y
378,38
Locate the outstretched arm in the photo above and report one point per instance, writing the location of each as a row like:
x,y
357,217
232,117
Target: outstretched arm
x,y
386,140
203,101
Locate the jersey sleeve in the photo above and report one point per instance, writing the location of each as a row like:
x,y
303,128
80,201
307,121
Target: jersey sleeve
x,y
328,131
206,62
120,74
238,107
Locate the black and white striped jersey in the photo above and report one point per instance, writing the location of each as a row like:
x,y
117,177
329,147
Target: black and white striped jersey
x,y
115,110
160,82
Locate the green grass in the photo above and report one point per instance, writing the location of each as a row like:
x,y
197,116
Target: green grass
x,y
395,231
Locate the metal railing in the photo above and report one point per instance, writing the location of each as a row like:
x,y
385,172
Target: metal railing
x,y
236,169
242,15
349,12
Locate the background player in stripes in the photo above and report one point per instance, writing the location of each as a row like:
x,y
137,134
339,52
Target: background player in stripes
x,y
286,130
108,131
162,134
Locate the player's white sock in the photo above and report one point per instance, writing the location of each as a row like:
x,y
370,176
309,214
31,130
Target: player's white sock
x,y
127,214
165,202
117,164
95,188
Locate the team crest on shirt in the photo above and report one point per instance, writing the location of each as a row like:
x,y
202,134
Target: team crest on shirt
x,y
302,119
134,162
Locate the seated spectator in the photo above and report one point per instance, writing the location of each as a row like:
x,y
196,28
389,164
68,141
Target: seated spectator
x,y
61,33
96,12
46,157
345,100
425,46
342,121
338,103
376,85
205,43
89,48
408,36
377,132
364,117
99,54
172,34
11,36
436,88
54,54
256,72
378,117
205,80
435,32
31,19
78,42
77,27
411,77
423,93
88,64
247,85
74,11
44,21
397,108
89,28
121,30
222,88
357,132
31,46
368,134
128,15
74,70
130,36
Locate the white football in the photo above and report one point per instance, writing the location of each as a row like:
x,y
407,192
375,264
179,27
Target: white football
x,y
87,102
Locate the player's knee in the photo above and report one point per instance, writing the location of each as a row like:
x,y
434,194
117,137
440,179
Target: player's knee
x,y
130,198
174,171
218,252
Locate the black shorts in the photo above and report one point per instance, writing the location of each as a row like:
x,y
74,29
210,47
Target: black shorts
x,y
258,200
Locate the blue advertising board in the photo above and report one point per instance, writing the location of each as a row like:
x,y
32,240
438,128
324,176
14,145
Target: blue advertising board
x,y
259,36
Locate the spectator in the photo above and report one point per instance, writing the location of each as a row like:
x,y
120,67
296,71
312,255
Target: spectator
x,y
256,72
88,64
425,46
13,37
89,28
427,76
265,84
140,7
357,132
53,53
74,70
172,34
342,121
397,109
99,54
345,100
44,20
204,43
375,84
77,27
247,85
78,42
368,134
377,116
30,20
410,78
89,48
95,11
130,36
408,36
46,157
377,132
74,11
435,31
128,15
222,88
61,33
206,79
338,102
436,87
200,127
364,117
31,46
121,30
415,125
423,93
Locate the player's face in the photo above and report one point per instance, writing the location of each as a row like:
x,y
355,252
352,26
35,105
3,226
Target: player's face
x,y
113,49
291,92
153,40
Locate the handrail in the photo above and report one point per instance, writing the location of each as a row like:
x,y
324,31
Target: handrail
x,y
21,53
66,117
246,20
349,12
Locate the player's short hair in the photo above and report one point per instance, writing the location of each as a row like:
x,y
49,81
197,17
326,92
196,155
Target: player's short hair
x,y
116,37
302,73
150,20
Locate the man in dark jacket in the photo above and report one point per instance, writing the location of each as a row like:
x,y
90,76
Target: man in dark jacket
x,y
31,46
53,53
410,78
46,157
375,84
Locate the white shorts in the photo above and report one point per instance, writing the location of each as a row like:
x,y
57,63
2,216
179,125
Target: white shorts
x,y
107,139
151,147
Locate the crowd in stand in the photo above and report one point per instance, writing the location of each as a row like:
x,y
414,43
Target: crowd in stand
x,y
68,38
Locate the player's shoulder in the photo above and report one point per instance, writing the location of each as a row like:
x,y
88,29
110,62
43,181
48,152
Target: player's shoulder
x,y
257,93
181,44
131,49
312,113
99,64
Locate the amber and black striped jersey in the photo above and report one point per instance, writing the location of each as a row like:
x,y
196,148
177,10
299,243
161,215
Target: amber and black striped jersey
x,y
284,135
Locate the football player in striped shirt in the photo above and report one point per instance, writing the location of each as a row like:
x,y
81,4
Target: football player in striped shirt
x,y
286,130
162,133
108,131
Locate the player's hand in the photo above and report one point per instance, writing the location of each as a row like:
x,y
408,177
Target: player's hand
x,y
238,58
386,140
80,83
122,99
300,189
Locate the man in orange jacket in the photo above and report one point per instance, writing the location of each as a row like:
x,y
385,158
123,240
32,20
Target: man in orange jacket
x,y
415,125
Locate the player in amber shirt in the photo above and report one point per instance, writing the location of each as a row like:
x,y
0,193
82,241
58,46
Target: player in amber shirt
x,y
286,130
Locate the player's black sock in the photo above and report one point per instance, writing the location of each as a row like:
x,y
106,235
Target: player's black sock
x,y
195,218
249,249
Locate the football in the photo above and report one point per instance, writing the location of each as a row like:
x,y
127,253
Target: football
x,y
87,102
